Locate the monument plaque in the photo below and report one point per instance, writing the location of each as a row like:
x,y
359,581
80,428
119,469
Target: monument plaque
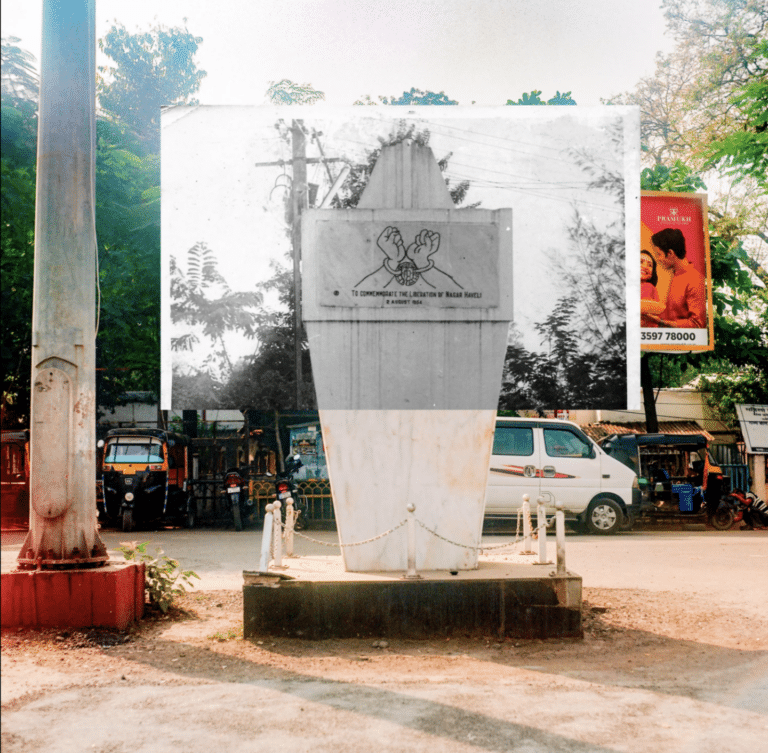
x,y
431,259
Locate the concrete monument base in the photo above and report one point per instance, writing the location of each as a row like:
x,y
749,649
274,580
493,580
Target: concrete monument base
x,y
111,596
315,598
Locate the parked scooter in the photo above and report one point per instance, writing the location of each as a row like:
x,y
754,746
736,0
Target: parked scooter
x,y
238,498
287,493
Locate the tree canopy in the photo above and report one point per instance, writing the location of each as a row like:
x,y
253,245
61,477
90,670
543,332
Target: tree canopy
x,y
705,106
18,132
158,63
704,121
583,363
267,380
152,69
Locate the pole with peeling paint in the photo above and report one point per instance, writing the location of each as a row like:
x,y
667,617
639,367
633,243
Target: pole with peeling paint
x,y
63,528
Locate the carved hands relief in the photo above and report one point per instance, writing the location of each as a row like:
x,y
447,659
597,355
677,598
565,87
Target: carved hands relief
x,y
407,265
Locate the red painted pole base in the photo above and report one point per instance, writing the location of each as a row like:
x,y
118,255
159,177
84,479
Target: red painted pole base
x,y
111,596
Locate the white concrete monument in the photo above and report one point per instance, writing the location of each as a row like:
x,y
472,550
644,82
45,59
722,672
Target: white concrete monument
x,y
407,304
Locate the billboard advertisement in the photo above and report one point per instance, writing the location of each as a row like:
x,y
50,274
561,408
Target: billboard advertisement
x,y
675,275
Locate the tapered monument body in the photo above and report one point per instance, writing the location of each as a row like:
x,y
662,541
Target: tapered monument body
x,y
407,304
63,528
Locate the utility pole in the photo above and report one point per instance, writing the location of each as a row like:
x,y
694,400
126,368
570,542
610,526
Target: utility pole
x,y
62,522
646,382
299,202
298,205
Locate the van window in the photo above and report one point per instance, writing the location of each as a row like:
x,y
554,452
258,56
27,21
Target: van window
x,y
513,440
561,443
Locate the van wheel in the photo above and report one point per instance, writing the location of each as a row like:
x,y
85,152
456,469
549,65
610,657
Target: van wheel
x,y
604,517
127,521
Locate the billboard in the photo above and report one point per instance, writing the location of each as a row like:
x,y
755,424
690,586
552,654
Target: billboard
x,y
675,276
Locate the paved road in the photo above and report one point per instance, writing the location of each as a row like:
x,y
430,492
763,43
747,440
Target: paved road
x,y
725,565
633,693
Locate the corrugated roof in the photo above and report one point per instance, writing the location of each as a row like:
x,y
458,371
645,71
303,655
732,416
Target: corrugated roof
x,y
604,429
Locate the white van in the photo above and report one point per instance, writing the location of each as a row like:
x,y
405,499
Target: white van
x,y
556,460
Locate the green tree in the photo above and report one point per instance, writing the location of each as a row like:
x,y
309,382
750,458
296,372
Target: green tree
x,y
18,131
583,364
128,234
287,92
19,77
127,215
152,69
534,98
203,300
743,154
266,380
411,98
737,365
705,106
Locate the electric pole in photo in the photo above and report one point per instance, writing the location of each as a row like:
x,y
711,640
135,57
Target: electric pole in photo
x,y
62,525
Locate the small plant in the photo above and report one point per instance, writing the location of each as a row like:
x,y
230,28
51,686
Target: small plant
x,y
164,579
225,635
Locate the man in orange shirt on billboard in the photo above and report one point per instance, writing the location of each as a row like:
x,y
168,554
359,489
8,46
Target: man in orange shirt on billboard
x,y
687,297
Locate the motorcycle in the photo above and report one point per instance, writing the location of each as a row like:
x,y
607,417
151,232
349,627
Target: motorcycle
x,y
741,506
727,513
287,493
239,501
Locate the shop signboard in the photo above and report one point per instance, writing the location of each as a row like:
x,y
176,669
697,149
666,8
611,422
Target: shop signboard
x,y
753,420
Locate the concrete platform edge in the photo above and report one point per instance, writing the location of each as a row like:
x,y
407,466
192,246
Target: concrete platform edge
x,y
532,607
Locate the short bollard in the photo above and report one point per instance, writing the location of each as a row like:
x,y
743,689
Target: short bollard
x,y
277,528
541,529
266,540
527,540
560,537
290,518
411,574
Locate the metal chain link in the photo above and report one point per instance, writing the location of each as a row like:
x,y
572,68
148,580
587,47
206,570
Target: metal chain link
x,y
354,543
479,549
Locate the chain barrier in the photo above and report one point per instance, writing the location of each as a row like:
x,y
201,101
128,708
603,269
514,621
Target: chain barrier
x,y
353,543
518,538
482,549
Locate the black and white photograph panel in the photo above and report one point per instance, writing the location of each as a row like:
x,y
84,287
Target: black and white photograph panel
x,y
236,181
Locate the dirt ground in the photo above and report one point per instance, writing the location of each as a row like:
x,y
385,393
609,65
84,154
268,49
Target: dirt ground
x,y
655,671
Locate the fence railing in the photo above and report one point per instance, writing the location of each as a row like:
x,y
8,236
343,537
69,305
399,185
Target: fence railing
x,y
316,491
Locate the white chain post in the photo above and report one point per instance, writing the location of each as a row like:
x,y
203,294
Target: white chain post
x,y
277,526
527,541
560,537
411,574
290,519
266,540
541,528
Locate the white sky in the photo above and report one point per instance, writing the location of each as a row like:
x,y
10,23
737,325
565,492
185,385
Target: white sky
x,y
485,51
